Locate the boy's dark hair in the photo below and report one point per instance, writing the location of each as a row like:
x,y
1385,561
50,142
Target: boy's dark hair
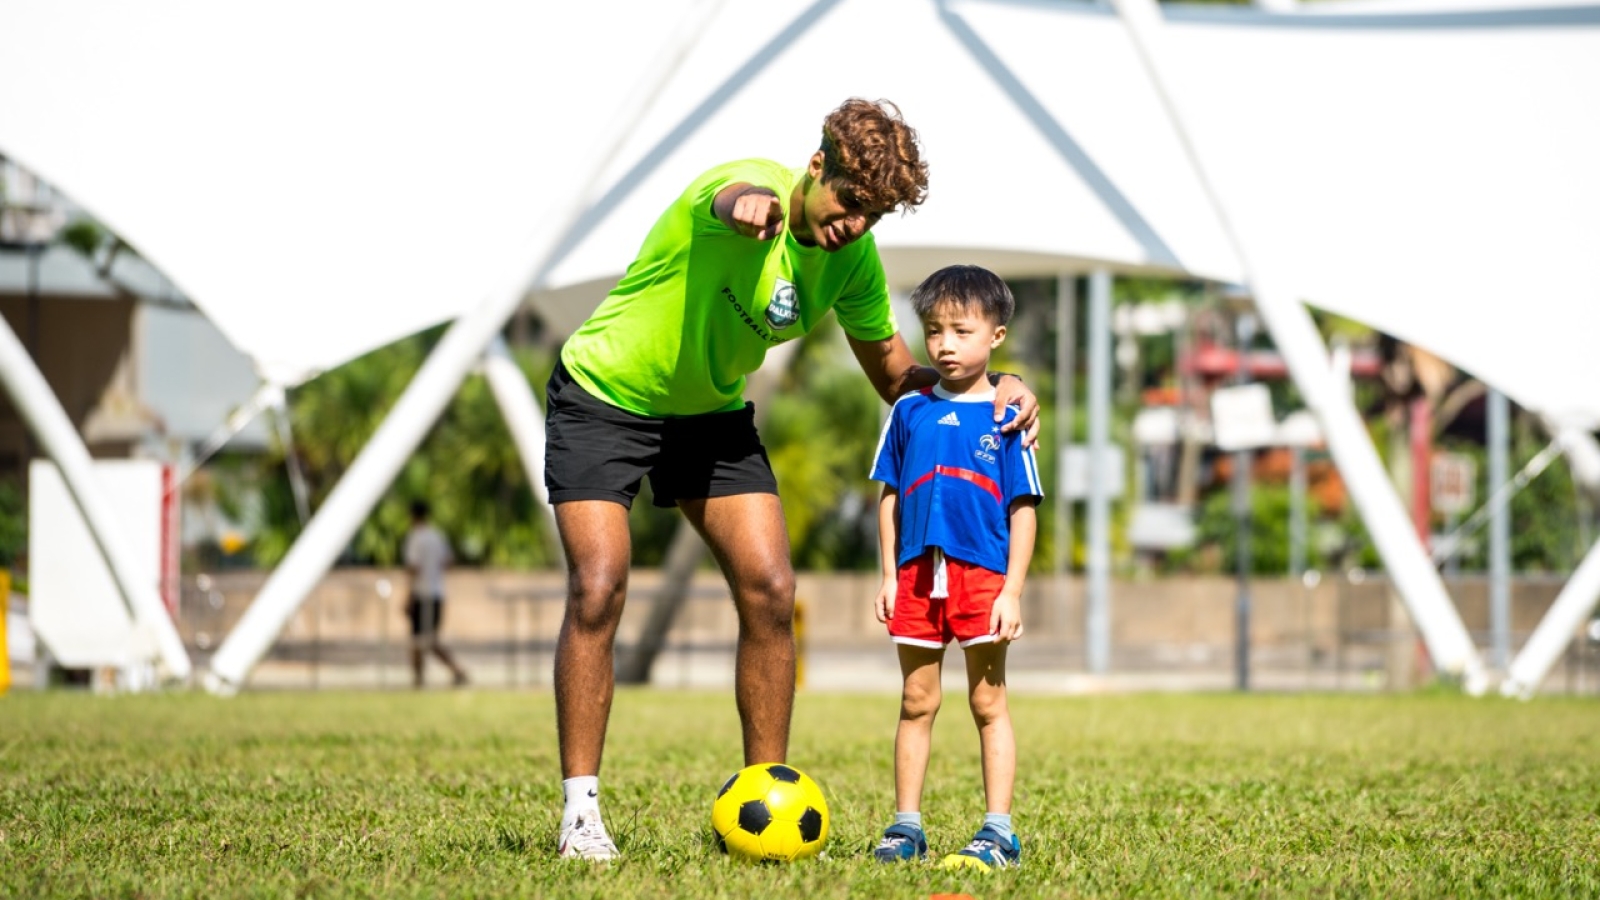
x,y
871,154
967,286
419,509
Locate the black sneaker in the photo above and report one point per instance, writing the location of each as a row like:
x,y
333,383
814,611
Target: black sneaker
x,y
988,850
901,843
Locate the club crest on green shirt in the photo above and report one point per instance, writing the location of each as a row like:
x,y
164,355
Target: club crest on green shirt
x,y
784,308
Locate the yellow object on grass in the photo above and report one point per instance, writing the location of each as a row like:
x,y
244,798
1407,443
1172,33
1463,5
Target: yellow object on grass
x,y
957,861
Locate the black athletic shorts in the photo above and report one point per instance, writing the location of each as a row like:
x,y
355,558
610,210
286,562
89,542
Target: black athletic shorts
x,y
595,451
425,614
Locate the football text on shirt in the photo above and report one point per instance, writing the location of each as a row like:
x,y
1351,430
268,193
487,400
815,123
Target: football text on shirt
x,y
749,320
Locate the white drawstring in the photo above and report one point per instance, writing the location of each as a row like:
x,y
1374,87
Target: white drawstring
x,y
941,587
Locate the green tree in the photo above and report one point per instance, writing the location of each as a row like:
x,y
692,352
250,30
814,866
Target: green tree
x,y
13,524
1545,514
1217,532
467,467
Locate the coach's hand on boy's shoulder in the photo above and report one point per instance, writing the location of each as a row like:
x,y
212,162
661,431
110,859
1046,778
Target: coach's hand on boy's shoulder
x,y
1010,391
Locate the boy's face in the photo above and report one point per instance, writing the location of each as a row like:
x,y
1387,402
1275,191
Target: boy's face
x,y
959,338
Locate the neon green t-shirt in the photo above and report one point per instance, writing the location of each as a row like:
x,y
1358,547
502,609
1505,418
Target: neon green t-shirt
x,y
701,305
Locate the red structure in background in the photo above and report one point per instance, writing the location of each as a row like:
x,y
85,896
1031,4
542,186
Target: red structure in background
x,y
170,578
1215,365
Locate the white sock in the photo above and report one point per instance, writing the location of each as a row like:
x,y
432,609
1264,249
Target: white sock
x,y
999,823
581,793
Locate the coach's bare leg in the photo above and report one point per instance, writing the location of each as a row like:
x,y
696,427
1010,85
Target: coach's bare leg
x,y
594,534
747,535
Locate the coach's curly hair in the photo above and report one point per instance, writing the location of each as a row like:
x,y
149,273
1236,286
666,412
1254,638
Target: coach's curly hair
x,y
868,148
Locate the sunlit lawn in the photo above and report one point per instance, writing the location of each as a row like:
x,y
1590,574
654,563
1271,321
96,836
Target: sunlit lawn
x,y
445,794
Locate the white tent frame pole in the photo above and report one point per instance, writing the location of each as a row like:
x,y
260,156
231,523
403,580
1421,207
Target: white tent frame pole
x,y
419,407
1296,336
267,393
1066,363
1499,428
278,412
525,420
1499,501
1574,604
42,411
1578,597
1097,525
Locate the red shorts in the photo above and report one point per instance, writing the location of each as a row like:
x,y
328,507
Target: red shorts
x,y
924,621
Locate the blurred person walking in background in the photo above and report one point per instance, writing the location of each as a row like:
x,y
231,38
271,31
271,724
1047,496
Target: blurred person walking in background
x,y
427,555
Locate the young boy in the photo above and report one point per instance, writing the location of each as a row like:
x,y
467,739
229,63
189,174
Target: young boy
x,y
957,527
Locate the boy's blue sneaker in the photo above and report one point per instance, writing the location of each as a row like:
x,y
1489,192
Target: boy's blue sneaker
x,y
987,851
901,843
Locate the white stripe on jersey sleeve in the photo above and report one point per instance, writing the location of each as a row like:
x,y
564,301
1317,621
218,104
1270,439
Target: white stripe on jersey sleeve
x,y
883,434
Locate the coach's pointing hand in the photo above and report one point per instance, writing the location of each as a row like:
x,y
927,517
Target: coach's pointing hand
x,y
751,211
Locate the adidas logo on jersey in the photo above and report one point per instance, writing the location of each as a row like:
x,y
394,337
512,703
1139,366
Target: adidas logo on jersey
x,y
950,419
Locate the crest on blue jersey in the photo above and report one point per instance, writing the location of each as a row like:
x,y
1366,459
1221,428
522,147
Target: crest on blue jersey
x,y
784,309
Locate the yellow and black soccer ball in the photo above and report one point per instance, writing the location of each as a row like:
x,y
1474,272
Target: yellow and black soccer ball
x,y
770,812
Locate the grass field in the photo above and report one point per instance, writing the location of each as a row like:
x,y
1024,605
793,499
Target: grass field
x,y
457,794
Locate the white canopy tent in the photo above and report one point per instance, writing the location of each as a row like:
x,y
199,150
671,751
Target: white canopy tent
x,y
427,163
392,162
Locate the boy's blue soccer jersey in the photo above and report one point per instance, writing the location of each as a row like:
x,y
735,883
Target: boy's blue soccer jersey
x,y
956,474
